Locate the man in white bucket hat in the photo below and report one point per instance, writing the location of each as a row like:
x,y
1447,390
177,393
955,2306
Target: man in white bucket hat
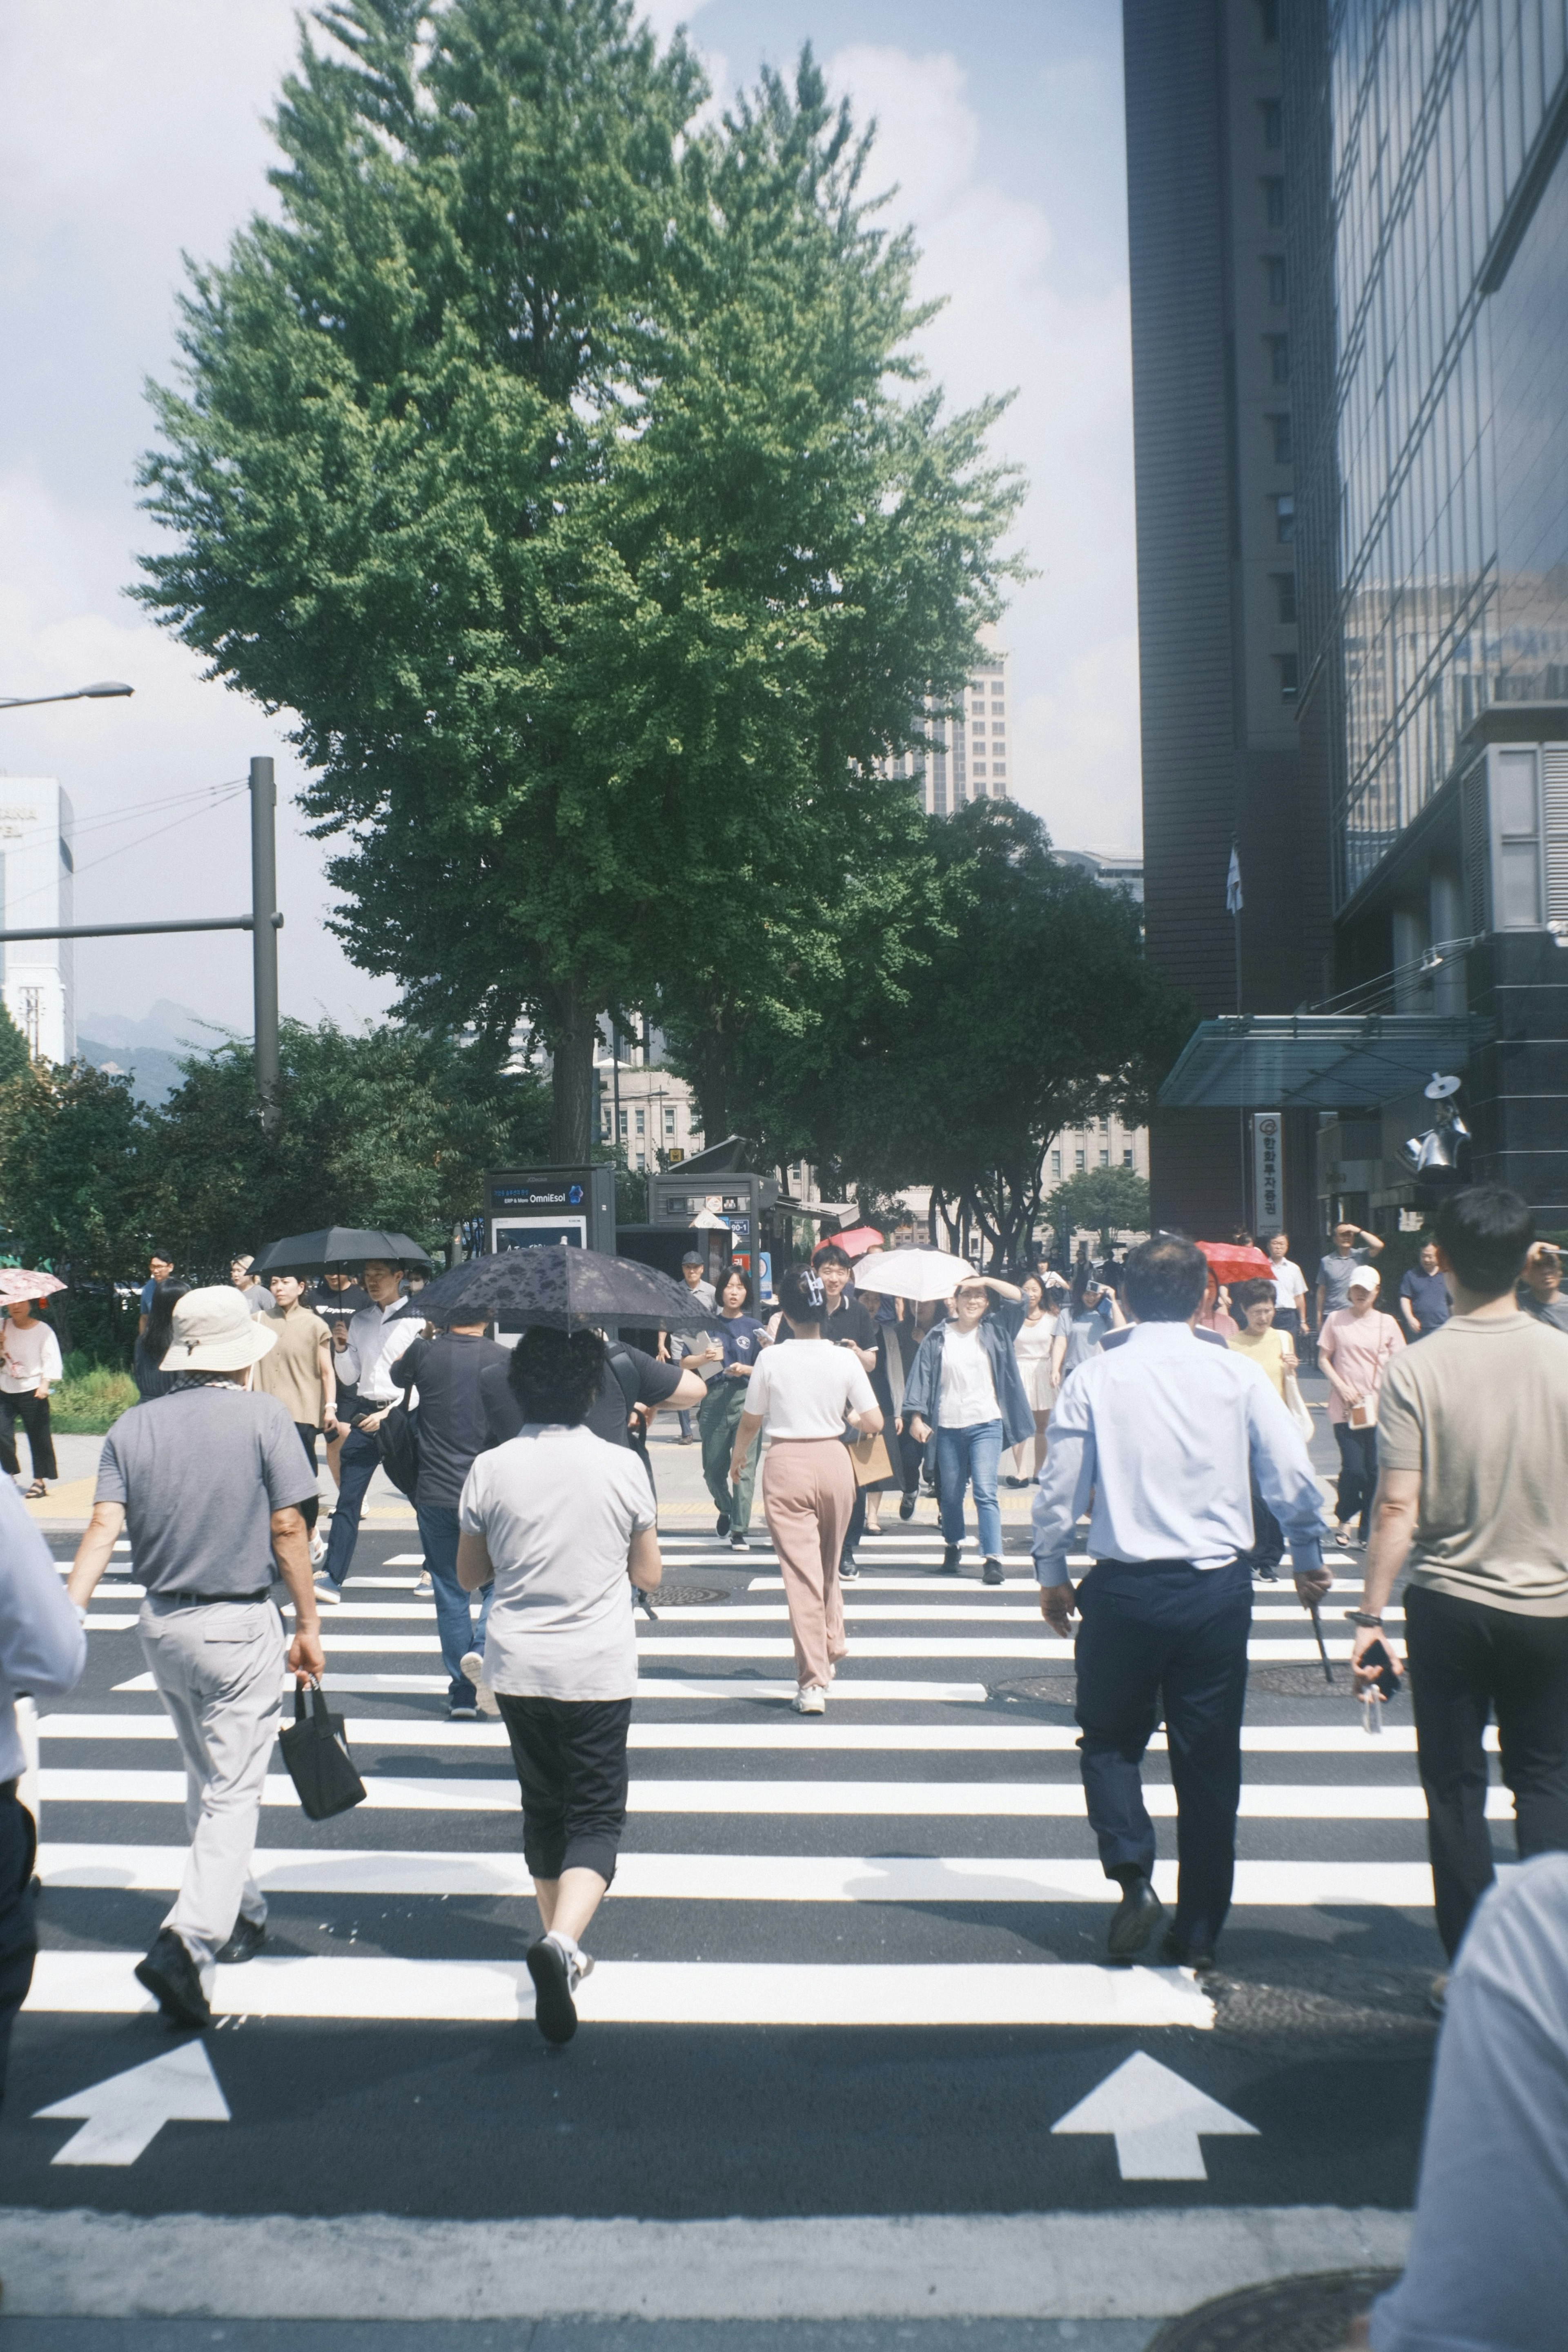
x,y
210,1479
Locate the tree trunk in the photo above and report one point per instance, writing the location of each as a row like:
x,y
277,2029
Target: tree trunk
x,y
712,1080
572,1031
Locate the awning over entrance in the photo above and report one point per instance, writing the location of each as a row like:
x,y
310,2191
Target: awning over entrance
x,y
1315,1061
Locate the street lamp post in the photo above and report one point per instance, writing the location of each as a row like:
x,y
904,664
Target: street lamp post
x,y
105,690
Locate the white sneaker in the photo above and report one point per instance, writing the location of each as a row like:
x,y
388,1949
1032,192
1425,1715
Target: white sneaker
x,y
811,1699
423,1588
473,1665
327,1596
317,1549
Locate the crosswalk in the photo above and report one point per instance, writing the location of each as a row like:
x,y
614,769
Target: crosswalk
x,y
917,1856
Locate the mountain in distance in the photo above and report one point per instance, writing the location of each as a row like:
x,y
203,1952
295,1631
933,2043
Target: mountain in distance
x,y
149,1052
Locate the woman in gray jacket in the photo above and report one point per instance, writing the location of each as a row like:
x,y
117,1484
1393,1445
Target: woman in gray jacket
x,y
964,1384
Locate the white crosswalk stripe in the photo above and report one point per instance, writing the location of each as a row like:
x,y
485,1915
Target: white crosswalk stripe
x,y
739,1810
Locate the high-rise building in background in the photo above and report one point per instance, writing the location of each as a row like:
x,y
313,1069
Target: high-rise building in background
x,y
1209,202
37,977
1429,253
966,758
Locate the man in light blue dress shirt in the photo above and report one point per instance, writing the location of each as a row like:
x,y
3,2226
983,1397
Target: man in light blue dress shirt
x,y
1167,1435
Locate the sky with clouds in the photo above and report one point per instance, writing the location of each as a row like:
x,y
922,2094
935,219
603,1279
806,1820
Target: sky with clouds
x,y
136,132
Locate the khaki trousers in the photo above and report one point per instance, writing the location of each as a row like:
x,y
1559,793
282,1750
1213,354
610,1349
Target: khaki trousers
x,y
808,1495
218,1669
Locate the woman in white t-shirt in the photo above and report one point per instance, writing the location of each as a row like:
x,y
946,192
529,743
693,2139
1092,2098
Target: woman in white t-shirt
x,y
563,1523
801,1398
29,1365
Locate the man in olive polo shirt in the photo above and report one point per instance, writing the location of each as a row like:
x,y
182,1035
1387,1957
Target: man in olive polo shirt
x,y
300,1374
1472,1443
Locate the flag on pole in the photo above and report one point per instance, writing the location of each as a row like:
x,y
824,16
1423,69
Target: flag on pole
x,y
1232,901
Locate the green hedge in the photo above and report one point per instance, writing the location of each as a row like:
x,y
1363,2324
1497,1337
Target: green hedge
x,y
90,1398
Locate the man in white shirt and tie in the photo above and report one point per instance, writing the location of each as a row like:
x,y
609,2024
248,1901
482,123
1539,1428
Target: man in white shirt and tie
x,y
1167,1436
377,1337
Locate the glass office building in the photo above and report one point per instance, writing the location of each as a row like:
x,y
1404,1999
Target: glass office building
x,y
1428,256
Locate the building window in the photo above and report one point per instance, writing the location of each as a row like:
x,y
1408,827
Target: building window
x,y
1127,1157
997,772
998,727
669,1120
605,1121
1078,1162
978,768
1273,123
1105,1159
1287,676
1056,1163
1278,349
1274,263
1284,519
623,1126
1279,425
1274,203
1285,598
642,1122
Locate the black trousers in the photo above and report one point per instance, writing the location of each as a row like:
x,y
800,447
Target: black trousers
x,y
309,1509
1163,1637
18,1937
570,1760
34,1414
1467,1663
1358,1473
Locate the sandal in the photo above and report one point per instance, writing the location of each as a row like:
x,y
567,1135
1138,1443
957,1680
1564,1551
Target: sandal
x,y
37,1493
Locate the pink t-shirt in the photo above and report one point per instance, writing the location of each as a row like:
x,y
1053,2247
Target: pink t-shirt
x,y
1359,1346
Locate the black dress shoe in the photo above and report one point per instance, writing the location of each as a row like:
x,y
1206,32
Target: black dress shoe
x,y
1175,1953
847,1571
950,1560
993,1573
170,1975
1137,1916
247,1937
907,1505
723,1528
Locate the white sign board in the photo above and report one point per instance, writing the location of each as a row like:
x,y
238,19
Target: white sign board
x,y
1268,1172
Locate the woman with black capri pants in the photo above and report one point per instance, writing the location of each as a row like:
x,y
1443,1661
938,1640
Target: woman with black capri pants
x,y
565,1524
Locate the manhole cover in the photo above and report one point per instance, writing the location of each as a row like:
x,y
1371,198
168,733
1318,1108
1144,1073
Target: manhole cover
x,y
1296,2314
1030,1690
688,1596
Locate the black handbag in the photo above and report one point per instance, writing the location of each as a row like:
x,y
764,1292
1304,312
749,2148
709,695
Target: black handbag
x,y
317,1755
397,1441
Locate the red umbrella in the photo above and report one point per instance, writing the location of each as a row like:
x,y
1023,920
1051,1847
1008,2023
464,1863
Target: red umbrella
x,y
1236,1261
858,1241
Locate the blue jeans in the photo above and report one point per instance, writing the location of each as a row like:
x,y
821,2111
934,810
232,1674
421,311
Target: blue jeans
x,y
356,1468
454,1608
971,1457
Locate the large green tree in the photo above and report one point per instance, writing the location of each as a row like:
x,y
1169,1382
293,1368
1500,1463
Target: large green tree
x,y
1026,1006
558,464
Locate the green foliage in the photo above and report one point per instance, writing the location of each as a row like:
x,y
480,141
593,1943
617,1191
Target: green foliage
x,y
549,457
91,1398
14,1055
1105,1200
1024,1006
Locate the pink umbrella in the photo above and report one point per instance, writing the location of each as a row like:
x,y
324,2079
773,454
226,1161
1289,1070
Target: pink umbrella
x,y
858,1241
16,1282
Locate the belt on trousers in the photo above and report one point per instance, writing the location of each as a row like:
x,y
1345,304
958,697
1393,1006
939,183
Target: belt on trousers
x,y
211,1599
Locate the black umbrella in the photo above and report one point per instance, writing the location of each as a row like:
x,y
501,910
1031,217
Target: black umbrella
x,y
337,1249
568,1289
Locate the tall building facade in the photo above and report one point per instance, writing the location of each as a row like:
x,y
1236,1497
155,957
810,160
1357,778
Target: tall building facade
x,y
1209,204
1427,258
37,977
966,755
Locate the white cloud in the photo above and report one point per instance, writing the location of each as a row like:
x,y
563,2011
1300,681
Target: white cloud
x,y
1020,317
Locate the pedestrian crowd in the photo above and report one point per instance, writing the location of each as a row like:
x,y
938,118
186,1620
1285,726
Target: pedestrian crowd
x,y
1156,1415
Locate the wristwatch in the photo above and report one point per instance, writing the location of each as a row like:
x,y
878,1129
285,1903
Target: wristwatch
x,y
1363,1617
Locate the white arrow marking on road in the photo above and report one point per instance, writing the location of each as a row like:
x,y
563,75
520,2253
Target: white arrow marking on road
x,y
1154,2117
125,2113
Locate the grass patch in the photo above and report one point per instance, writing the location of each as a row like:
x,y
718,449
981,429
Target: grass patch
x,y
90,1399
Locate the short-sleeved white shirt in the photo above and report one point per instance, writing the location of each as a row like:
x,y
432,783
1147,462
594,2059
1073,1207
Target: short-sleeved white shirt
x,y
1290,1282
805,1391
558,1508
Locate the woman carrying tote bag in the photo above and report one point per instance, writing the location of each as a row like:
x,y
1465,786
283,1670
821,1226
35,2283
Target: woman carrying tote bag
x,y
803,1397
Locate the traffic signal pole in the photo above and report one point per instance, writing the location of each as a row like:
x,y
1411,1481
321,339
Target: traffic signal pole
x,y
264,922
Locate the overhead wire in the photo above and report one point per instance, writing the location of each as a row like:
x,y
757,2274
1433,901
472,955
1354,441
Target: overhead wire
x,y
212,796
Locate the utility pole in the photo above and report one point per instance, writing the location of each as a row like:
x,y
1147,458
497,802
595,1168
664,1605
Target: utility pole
x,y
264,937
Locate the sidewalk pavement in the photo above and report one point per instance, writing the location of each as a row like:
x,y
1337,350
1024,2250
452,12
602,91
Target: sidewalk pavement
x,y
684,1502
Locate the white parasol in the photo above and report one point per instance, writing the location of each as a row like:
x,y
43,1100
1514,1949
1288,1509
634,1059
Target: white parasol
x,y
917,1274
